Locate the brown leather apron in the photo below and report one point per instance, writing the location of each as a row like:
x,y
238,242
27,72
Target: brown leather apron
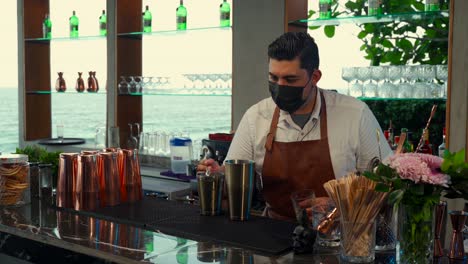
x,y
294,166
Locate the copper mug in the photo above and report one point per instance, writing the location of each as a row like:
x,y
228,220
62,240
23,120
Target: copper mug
x,y
66,179
86,189
109,184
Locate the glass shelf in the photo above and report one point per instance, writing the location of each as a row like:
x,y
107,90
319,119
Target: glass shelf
x,y
398,99
66,92
173,94
66,38
370,19
169,31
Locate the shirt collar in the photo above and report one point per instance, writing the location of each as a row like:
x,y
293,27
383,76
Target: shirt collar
x,y
286,117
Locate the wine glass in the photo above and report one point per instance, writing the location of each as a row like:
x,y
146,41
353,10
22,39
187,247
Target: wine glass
x,y
123,85
348,74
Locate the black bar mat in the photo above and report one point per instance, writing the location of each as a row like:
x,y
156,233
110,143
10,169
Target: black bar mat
x,y
174,218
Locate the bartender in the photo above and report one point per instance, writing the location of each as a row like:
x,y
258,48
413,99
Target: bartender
x,y
302,136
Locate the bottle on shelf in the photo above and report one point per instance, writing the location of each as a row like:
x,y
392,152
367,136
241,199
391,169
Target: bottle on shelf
x,y
426,148
406,145
80,87
432,5
47,27
374,7
396,141
387,135
74,22
147,18
225,14
60,85
390,133
441,148
103,24
325,9
181,16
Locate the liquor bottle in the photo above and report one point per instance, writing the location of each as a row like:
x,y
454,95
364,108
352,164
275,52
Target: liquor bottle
x,y
426,148
74,22
386,135
432,5
181,16
47,27
390,133
442,146
406,145
225,14
396,141
374,7
325,9
103,24
147,18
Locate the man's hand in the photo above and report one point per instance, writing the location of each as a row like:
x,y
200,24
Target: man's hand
x,y
210,164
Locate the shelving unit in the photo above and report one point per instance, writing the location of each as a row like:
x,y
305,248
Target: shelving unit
x,y
370,19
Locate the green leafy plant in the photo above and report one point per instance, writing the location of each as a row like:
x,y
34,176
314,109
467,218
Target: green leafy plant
x,y
423,41
39,154
455,166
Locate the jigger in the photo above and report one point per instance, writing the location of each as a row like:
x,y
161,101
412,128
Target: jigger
x,y
458,219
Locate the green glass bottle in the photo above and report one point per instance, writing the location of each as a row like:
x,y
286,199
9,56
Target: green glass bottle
x,y
74,22
181,16
147,18
406,145
325,9
103,23
47,27
225,14
432,5
374,7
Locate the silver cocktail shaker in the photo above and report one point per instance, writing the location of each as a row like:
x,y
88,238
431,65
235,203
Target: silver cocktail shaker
x,y
239,183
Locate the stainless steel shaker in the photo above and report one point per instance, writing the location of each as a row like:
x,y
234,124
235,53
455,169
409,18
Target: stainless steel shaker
x,y
239,182
210,192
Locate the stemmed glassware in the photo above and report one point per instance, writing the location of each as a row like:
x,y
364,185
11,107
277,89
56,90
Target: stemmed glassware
x,y
442,75
348,74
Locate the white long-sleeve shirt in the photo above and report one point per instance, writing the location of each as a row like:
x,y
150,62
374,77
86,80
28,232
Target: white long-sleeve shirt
x,y
352,132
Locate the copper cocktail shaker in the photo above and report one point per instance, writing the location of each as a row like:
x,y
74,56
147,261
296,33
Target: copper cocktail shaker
x,y
66,178
109,184
439,218
458,219
86,190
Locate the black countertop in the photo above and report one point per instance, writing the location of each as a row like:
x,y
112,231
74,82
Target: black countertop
x,y
125,243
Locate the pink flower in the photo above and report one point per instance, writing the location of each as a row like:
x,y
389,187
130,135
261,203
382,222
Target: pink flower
x,y
419,168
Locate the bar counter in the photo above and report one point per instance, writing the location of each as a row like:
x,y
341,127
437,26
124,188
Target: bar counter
x,y
108,241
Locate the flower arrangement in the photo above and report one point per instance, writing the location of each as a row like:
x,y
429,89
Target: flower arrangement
x,y
415,183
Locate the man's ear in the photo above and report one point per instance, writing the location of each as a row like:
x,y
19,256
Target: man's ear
x,y
316,76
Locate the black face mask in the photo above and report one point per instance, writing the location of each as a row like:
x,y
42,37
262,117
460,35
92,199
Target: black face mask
x,y
287,98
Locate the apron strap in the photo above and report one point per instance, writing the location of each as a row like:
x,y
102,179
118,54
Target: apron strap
x,y
272,132
323,118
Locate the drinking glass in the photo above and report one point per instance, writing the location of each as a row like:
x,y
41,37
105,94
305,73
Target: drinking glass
x,y
321,208
363,74
394,76
347,74
123,85
442,75
379,75
302,200
60,128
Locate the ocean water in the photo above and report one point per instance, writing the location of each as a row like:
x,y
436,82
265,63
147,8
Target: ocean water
x,y
81,114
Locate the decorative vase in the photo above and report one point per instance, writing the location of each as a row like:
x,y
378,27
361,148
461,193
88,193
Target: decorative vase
x,y
92,82
80,87
60,85
416,226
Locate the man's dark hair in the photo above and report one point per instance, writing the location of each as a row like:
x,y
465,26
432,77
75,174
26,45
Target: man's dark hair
x,y
293,44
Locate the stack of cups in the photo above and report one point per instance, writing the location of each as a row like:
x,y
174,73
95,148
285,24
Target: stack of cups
x,y
95,179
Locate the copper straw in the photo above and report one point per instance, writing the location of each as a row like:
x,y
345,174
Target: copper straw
x,y
109,184
86,188
440,213
66,178
421,140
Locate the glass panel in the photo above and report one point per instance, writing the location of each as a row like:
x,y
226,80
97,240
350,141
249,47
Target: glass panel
x,y
9,80
79,115
189,71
